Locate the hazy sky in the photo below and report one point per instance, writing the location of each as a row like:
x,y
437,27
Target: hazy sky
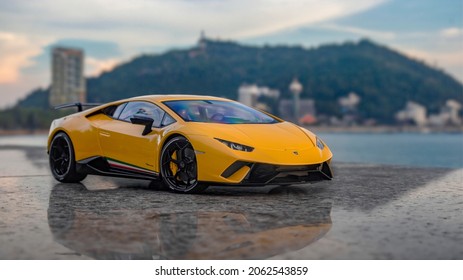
x,y
115,31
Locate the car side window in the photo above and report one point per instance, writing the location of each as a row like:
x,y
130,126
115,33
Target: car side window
x,y
113,111
118,110
109,111
142,108
167,120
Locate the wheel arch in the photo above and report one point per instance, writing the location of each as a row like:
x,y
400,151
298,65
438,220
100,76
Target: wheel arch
x,y
53,134
163,143
188,185
70,175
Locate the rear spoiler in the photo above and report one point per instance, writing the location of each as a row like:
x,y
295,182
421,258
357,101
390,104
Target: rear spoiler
x,y
78,105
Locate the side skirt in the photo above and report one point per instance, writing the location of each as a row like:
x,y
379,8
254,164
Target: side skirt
x,y
107,167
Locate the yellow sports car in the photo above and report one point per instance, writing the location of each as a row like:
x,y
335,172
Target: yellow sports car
x,y
187,142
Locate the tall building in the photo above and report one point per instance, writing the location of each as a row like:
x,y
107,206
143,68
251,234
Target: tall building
x,y
68,82
296,88
297,110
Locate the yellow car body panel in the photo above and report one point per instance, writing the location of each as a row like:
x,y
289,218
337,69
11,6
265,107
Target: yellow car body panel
x,y
95,134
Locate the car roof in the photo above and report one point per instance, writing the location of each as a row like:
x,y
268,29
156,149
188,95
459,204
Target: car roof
x,y
171,97
155,98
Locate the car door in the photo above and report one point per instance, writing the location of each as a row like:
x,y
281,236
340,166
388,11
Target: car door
x,y
122,142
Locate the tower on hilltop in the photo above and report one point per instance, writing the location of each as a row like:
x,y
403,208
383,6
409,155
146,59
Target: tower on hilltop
x,y
202,44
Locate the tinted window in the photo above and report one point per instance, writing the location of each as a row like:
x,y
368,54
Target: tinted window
x,y
114,110
167,120
109,111
218,112
142,109
118,110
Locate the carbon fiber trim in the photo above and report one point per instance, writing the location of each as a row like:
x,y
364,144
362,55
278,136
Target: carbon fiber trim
x,y
99,166
267,174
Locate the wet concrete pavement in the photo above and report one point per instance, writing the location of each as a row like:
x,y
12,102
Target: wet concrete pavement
x,y
367,212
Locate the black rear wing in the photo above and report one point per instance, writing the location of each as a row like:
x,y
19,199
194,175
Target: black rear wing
x,y
78,105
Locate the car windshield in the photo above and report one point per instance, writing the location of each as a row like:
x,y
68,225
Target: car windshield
x,y
216,111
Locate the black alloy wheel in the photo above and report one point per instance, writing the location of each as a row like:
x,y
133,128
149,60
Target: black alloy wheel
x,y
62,160
179,168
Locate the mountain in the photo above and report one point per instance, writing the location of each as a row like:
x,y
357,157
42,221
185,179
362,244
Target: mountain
x,y
383,78
38,98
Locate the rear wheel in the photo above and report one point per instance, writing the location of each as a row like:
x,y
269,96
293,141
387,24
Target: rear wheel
x,y
62,160
179,170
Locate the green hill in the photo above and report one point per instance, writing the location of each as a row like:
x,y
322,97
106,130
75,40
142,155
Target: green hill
x,y
383,78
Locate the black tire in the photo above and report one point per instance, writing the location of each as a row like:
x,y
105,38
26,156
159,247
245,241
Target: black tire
x,y
179,168
62,160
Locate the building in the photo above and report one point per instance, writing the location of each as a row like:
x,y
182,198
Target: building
x,y
249,94
201,46
68,82
414,113
449,114
296,88
297,110
306,110
349,103
452,108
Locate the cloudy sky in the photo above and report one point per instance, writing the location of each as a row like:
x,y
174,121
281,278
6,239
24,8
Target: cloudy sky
x,y
111,32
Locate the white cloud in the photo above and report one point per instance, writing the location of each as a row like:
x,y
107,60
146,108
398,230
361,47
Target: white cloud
x,y
453,61
451,32
94,66
449,58
159,22
141,24
16,53
360,31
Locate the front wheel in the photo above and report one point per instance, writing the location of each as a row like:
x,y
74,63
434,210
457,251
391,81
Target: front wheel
x,y
62,160
179,170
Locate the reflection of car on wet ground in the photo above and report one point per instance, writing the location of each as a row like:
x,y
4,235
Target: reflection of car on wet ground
x,y
189,142
115,224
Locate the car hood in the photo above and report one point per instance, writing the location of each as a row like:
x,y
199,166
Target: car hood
x,y
277,136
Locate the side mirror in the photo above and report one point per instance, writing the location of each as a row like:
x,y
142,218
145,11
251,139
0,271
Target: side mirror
x,y
143,120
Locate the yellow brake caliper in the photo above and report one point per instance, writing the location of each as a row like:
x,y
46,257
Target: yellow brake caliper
x,y
173,166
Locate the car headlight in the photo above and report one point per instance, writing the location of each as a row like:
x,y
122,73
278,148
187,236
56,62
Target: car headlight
x,y
235,146
320,144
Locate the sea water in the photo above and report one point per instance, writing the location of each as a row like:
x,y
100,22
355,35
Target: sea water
x,y
408,149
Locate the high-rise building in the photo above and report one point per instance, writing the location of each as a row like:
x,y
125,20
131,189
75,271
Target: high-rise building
x,y
68,82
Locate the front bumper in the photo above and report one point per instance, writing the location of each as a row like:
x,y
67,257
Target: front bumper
x,y
219,164
269,174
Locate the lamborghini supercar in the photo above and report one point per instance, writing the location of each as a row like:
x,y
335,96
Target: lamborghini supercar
x,y
186,142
